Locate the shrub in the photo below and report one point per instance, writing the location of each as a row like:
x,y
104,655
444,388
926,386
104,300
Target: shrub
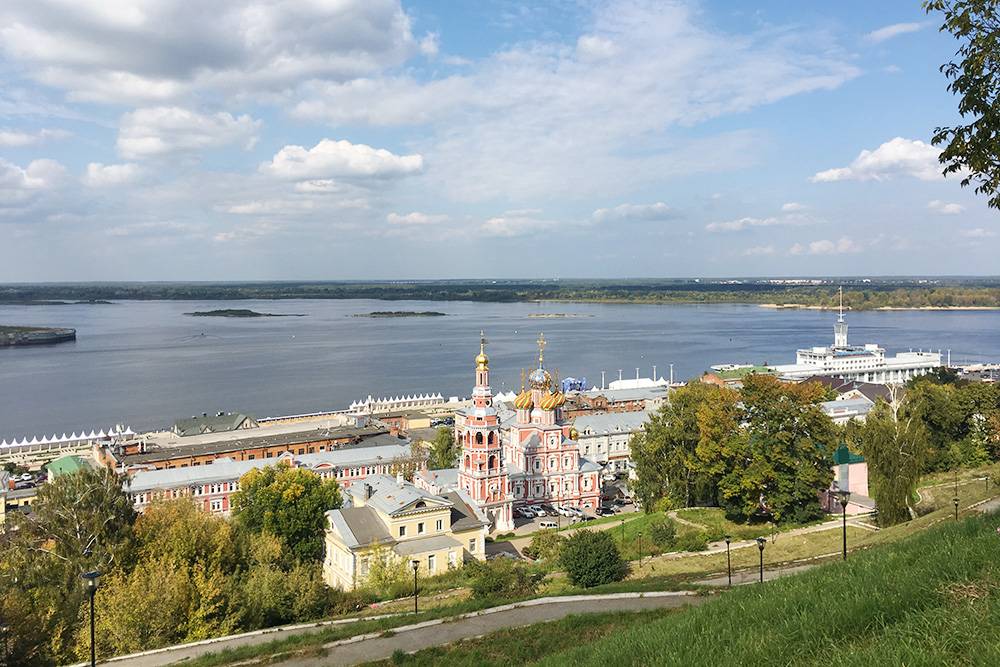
x,y
692,542
663,533
545,545
501,578
592,558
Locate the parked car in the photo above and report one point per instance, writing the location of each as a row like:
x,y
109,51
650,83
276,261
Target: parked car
x,y
549,509
548,525
537,509
563,510
527,513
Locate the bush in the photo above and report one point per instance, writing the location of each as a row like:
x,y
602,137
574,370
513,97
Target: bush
x,y
692,542
592,558
545,545
501,578
663,533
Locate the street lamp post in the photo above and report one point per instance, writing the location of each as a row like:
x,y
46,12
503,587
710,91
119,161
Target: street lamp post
x,y
729,561
623,533
415,564
761,541
640,547
844,498
955,500
92,578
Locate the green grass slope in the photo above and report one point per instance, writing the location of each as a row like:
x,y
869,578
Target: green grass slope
x,y
931,599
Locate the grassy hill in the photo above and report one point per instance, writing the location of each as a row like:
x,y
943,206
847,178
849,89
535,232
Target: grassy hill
x,y
933,598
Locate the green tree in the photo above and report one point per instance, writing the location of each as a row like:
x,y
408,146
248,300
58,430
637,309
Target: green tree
x,y
444,450
501,579
784,460
592,558
289,503
893,441
545,545
665,451
387,572
972,149
663,533
80,522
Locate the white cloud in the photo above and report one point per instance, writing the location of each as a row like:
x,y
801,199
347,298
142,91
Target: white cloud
x,y
826,247
978,233
330,158
414,218
160,50
38,175
517,223
16,139
792,207
747,223
642,212
594,47
430,45
502,129
100,175
894,30
159,131
757,251
945,208
896,157
30,193
319,186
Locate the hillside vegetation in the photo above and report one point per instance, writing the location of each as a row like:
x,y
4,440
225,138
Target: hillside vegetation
x,y
930,599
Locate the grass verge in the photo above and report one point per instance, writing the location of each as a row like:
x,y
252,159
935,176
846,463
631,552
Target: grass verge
x,y
925,600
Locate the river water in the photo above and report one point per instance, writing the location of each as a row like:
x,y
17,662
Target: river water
x,y
146,363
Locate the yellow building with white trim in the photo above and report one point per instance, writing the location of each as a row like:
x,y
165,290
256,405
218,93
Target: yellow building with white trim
x,y
391,518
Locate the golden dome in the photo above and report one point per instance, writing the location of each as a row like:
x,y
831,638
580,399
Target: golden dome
x,y
574,434
482,361
523,401
551,401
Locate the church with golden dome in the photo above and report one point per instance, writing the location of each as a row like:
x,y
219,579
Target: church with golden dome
x,y
529,459
540,450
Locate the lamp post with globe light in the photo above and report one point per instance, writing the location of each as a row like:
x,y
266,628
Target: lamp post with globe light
x,y
729,561
92,581
416,564
844,497
761,541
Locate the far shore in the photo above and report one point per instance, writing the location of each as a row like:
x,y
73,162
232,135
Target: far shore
x,y
802,306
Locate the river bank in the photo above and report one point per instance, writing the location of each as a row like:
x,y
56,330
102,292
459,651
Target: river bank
x,y
803,306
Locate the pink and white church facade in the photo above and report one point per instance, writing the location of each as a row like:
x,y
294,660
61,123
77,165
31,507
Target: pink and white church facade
x,y
532,459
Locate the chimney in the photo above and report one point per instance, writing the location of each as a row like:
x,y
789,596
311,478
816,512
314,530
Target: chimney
x,y
368,490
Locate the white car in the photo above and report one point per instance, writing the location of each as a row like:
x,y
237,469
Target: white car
x,y
527,513
537,510
548,525
565,511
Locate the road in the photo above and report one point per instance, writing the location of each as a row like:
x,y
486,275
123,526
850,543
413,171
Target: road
x,y
424,635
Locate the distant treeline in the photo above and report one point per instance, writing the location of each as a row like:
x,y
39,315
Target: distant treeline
x,y
891,293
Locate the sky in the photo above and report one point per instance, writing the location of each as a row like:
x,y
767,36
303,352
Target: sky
x,y
380,139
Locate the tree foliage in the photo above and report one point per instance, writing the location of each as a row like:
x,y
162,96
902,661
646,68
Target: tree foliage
x,y
763,452
545,545
972,148
444,450
592,558
894,442
501,579
289,503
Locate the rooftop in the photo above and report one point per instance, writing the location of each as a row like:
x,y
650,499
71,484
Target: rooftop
x,y
277,439
610,422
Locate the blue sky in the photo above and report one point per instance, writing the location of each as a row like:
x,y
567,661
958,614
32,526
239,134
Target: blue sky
x,y
331,139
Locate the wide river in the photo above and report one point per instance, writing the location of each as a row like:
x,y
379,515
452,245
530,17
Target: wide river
x,y
146,363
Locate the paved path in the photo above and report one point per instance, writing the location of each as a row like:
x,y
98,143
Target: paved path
x,y
425,635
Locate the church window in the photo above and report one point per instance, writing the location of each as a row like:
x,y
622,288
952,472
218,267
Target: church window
x,y
402,531
439,525
479,438
420,528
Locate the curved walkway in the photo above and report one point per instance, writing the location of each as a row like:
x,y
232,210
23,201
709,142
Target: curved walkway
x,y
412,638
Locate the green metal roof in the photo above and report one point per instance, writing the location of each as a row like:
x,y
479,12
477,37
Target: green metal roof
x,y
67,465
743,372
844,455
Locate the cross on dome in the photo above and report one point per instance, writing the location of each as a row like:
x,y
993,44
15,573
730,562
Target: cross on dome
x,y
541,348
